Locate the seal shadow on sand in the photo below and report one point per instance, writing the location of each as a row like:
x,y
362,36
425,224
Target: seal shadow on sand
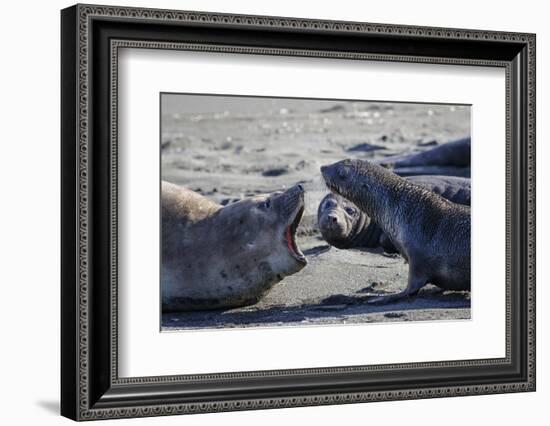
x,y
336,307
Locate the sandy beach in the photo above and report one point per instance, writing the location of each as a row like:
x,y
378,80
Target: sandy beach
x,y
228,148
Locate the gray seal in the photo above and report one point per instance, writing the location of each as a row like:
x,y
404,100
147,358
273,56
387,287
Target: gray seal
x,y
216,257
430,232
344,225
451,158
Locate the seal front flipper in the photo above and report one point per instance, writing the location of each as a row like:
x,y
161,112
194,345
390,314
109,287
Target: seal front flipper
x,y
416,282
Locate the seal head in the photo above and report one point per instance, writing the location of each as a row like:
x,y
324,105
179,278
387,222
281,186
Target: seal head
x,y
343,225
266,224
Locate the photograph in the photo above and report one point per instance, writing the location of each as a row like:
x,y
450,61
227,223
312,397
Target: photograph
x,y
280,212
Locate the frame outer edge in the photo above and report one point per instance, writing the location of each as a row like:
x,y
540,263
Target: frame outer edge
x,y
68,183
531,213
83,13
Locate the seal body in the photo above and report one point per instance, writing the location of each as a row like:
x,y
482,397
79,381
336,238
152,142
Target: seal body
x,y
216,257
453,188
452,158
344,225
430,232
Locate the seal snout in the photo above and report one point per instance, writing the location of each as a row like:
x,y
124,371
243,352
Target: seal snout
x,y
335,175
297,190
331,221
327,171
293,198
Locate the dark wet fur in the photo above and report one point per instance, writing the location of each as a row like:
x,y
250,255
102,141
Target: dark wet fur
x,y
430,232
366,233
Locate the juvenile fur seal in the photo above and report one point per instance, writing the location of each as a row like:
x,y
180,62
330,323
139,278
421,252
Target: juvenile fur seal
x,y
430,232
217,257
344,225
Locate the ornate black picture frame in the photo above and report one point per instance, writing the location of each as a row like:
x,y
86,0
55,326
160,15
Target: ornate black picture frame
x,y
91,36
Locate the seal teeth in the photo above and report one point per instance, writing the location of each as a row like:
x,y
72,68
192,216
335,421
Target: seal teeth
x,y
290,235
296,221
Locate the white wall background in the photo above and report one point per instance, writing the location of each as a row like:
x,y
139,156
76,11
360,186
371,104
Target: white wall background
x,y
29,213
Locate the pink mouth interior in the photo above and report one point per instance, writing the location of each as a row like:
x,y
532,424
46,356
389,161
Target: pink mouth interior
x,y
290,241
289,235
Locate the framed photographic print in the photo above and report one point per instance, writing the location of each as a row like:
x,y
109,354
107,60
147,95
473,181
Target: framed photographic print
x,y
263,212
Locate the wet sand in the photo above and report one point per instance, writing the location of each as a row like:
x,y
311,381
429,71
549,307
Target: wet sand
x,y
229,148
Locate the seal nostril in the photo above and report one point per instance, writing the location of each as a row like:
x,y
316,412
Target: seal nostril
x,y
300,187
334,219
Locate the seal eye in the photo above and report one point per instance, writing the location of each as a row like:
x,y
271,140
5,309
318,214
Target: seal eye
x,y
342,173
265,205
350,211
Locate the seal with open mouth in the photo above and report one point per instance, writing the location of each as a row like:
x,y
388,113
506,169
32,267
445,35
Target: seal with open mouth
x,y
216,257
430,232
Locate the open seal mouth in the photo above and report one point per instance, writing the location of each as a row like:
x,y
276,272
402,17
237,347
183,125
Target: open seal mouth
x,y
290,236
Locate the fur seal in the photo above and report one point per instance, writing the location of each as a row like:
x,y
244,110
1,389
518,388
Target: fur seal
x,y
216,257
344,225
430,232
